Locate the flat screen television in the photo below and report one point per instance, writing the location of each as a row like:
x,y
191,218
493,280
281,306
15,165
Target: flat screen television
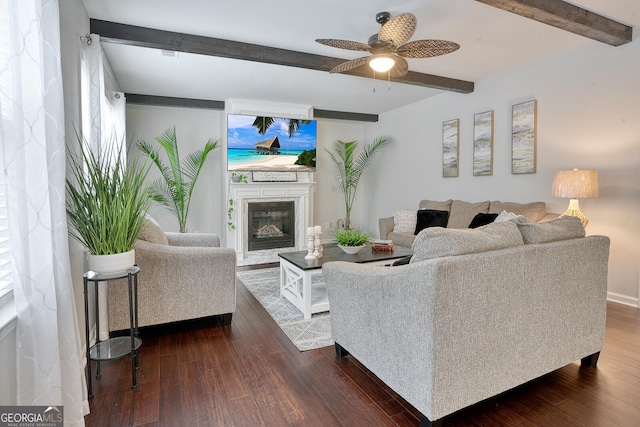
x,y
256,143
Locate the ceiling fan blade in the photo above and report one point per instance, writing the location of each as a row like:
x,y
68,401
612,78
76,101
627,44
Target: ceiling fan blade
x,y
427,48
398,30
350,65
344,44
400,68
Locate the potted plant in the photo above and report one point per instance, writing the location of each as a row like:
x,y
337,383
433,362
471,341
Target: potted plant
x,y
238,177
348,171
351,240
174,188
106,205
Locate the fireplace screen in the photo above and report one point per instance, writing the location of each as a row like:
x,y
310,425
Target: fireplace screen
x,y
271,225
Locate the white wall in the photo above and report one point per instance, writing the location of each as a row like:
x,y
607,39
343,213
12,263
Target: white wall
x,y
194,127
588,110
74,23
329,201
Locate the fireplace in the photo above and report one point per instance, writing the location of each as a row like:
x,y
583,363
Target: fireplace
x,y
299,193
270,225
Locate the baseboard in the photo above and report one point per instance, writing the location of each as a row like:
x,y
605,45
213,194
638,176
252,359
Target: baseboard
x,y
623,299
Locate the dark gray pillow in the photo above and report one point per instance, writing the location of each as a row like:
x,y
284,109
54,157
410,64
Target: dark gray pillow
x,y
482,219
431,218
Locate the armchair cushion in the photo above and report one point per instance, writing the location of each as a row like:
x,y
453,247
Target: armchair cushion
x,y
152,233
203,240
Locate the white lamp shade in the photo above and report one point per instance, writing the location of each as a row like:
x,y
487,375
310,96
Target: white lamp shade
x,y
575,184
382,62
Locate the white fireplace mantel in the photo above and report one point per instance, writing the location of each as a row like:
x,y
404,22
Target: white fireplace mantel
x,y
301,193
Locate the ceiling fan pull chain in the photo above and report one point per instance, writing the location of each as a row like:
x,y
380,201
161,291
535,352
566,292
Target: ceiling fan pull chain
x,y
389,80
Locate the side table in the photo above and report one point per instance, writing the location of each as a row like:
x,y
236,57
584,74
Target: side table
x,y
113,348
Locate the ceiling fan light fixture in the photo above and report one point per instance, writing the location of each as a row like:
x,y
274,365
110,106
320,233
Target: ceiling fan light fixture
x,y
382,62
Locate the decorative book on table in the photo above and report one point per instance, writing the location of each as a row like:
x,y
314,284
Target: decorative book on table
x,y
382,245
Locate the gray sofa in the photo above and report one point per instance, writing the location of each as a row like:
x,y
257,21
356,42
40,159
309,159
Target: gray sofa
x,y
183,276
504,305
461,214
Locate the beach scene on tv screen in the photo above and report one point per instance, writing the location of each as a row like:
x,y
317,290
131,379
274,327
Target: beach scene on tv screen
x,y
276,149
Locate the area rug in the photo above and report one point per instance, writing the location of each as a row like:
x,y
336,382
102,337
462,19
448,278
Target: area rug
x,y
264,284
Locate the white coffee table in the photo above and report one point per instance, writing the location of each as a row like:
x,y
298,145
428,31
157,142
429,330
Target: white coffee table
x,y
296,274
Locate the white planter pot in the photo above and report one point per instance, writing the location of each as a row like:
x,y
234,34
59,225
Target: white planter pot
x,y
113,263
351,249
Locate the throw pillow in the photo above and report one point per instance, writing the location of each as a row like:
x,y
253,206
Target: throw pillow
x,y
438,242
402,261
568,227
534,211
505,216
482,219
430,218
152,233
404,221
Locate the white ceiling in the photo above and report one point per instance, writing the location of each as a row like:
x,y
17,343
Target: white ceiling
x,y
492,41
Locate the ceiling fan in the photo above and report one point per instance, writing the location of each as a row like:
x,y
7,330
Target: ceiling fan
x,y
391,46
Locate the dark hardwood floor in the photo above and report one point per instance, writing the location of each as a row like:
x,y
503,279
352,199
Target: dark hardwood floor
x,y
249,374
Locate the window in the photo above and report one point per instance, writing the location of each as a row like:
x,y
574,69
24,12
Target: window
x,y
6,115
6,284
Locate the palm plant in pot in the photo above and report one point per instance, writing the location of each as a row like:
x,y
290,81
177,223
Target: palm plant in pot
x,y
174,188
106,205
348,169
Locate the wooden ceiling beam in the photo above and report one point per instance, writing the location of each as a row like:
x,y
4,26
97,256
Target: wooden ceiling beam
x,y
568,17
169,101
113,32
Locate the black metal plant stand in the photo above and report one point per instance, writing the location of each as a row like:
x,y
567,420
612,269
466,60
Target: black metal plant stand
x,y
116,347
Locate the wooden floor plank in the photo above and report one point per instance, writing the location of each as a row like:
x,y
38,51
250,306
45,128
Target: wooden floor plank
x,y
250,374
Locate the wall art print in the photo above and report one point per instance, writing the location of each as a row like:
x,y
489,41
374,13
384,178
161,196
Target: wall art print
x,y
483,143
523,137
450,148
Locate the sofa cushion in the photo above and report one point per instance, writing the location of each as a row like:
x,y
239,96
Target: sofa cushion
x,y
482,219
438,242
534,211
435,205
152,233
568,227
462,213
401,239
404,221
431,218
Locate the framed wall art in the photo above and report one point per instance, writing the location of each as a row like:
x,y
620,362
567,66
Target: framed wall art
x,y
483,143
450,148
523,137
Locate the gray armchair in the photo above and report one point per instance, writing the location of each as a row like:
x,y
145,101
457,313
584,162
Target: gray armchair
x,y
182,277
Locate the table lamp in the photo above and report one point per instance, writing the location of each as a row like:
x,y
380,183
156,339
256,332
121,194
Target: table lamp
x,y
575,184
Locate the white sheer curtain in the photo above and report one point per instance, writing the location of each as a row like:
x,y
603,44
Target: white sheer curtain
x,y
50,356
103,123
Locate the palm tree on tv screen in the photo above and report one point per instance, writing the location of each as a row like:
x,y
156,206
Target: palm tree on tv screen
x,y
264,123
